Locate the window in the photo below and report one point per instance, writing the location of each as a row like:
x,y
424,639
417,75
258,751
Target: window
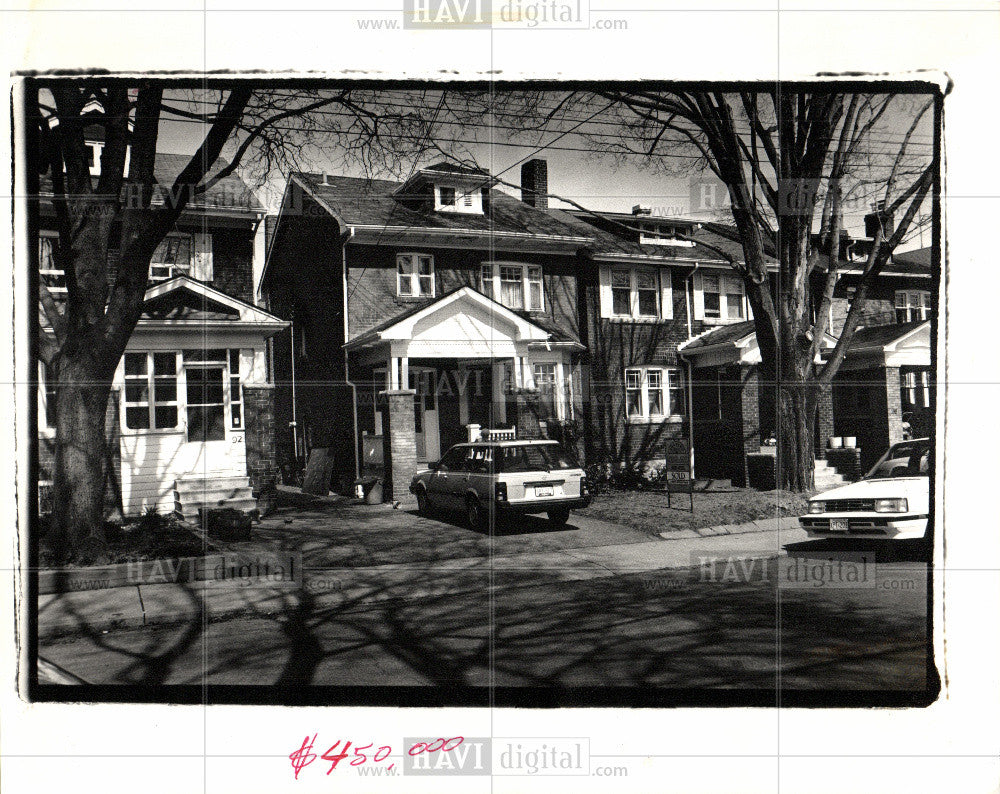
x,y
635,292
447,196
48,392
916,389
464,199
545,382
151,391
513,285
49,273
172,257
653,392
235,391
415,275
912,305
721,297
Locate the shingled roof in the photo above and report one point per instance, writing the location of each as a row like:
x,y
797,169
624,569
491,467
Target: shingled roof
x,y
372,202
719,336
230,193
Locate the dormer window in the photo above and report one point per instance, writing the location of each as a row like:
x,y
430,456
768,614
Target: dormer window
x,y
451,198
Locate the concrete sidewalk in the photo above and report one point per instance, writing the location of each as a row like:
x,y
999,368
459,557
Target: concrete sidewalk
x,y
334,587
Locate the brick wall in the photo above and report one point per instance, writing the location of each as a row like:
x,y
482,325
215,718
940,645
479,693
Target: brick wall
x,y
372,283
615,345
824,421
847,462
399,445
893,401
262,463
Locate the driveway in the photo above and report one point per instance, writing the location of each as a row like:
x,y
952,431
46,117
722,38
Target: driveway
x,y
339,533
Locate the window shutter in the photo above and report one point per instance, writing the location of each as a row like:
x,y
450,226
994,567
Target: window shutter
x,y
666,294
699,298
604,295
202,268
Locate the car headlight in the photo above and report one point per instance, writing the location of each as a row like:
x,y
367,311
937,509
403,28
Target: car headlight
x,y
890,506
817,507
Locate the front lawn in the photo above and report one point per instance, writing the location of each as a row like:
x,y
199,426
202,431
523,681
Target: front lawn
x,y
648,511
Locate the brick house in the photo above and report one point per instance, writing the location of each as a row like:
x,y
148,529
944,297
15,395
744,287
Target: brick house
x,y
422,313
190,419
650,284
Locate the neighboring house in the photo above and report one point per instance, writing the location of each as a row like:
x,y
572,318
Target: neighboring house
x,y
190,419
651,283
422,313
427,311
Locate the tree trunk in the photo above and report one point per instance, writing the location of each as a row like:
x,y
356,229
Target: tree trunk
x,y
82,393
797,405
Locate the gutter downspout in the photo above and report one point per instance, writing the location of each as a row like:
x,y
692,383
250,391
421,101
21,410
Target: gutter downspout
x,y
344,238
295,422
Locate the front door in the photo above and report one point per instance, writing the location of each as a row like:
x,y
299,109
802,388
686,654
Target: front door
x,y
214,422
425,414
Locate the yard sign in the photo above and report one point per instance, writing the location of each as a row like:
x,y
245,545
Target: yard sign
x,y
679,476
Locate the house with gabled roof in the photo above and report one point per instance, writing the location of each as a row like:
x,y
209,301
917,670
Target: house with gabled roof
x,y
422,313
190,418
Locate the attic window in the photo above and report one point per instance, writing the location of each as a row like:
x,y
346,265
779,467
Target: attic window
x,y
449,198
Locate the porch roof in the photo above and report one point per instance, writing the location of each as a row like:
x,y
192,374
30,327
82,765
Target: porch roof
x,y
463,316
186,303
729,344
903,344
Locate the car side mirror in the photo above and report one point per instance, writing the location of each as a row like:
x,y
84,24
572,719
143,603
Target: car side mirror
x,y
433,466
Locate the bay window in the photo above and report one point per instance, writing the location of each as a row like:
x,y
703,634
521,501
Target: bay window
x,y
415,275
653,393
515,286
912,305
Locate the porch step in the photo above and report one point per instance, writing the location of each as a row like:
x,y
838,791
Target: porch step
x,y
825,477
192,494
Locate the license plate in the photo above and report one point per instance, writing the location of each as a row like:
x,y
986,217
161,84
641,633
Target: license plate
x,y
838,525
545,490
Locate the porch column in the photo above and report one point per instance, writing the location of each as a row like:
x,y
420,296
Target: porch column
x,y
399,445
393,373
498,397
404,372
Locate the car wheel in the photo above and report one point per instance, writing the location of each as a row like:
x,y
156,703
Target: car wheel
x,y
423,503
559,516
474,513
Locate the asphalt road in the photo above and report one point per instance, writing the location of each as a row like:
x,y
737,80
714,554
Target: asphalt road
x,y
818,620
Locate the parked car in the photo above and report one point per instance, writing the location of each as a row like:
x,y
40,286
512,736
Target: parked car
x,y
505,478
892,501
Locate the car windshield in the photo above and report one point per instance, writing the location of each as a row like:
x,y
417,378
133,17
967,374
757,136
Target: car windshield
x,y
534,457
909,459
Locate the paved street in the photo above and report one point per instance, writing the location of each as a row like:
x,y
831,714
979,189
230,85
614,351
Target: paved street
x,y
669,628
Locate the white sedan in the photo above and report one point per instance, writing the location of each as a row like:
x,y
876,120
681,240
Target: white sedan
x,y
890,502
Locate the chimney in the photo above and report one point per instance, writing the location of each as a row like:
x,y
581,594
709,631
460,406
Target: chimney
x,y
878,216
535,184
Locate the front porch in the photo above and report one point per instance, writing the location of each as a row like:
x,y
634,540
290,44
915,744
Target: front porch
x,y
443,373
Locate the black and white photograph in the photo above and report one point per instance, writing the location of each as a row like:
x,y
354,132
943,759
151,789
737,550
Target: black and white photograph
x,y
500,416
447,422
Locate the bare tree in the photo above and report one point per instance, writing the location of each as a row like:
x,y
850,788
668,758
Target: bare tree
x,y
789,159
124,209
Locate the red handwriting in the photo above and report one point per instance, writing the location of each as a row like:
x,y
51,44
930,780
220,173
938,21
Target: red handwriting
x,y
304,755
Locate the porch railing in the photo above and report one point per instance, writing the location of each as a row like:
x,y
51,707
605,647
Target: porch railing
x,y
478,433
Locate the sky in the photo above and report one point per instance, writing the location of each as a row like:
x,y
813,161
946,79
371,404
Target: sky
x,y
599,182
